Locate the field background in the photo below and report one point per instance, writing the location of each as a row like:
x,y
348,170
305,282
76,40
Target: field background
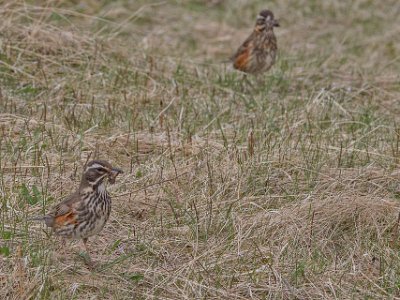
x,y
285,190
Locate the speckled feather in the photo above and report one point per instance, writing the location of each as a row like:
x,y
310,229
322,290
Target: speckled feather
x,y
85,212
257,54
82,214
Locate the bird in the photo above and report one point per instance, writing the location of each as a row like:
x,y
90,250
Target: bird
x,y
84,213
257,54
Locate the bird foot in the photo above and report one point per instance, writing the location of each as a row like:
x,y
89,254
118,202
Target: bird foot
x,y
90,264
88,261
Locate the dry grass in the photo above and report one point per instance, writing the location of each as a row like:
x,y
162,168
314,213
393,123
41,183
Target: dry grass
x,y
286,191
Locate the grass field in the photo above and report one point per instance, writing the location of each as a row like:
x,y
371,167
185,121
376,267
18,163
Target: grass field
x,y
287,190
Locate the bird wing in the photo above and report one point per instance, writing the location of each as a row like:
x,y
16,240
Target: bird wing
x,y
242,56
64,213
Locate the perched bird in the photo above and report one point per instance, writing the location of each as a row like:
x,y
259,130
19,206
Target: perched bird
x,y
258,52
85,212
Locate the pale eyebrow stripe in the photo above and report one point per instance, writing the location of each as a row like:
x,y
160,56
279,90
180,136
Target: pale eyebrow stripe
x,y
94,166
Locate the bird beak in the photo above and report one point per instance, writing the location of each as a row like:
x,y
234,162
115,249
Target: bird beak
x,y
113,173
276,23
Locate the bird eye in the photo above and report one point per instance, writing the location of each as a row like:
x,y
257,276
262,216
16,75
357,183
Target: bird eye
x,y
100,169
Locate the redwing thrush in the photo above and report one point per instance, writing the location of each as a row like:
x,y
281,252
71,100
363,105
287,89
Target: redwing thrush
x,y
85,212
258,52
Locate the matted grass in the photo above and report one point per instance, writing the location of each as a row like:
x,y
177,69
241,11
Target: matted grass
x,y
288,190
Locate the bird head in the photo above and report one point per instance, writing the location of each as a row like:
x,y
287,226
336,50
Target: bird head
x,y
266,20
97,170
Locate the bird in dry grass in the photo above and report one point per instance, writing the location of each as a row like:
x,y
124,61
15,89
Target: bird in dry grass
x,y
85,212
257,54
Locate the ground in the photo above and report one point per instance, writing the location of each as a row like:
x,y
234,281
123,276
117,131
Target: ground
x,y
285,186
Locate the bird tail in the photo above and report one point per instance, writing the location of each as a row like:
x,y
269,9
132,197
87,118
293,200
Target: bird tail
x,y
38,218
49,220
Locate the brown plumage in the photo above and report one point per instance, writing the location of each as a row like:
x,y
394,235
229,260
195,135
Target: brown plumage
x,y
257,54
85,212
